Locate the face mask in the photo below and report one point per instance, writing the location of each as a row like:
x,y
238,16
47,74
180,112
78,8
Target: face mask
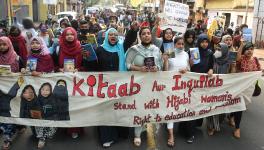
x,y
218,54
35,51
43,30
178,50
84,31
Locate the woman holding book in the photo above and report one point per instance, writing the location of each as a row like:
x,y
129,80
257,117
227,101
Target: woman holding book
x,y
202,61
111,57
165,43
69,49
40,55
136,57
68,56
179,63
246,62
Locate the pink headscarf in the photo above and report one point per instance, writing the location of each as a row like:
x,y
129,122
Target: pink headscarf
x,y
9,58
43,46
44,59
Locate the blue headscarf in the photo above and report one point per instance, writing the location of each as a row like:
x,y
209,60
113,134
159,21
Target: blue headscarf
x,y
116,48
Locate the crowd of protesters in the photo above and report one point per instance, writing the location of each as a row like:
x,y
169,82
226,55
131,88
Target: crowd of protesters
x,y
122,41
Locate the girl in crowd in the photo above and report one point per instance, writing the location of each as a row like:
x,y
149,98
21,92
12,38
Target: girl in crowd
x,y
49,111
167,37
221,66
39,50
228,40
46,34
111,57
189,39
245,63
135,62
9,57
204,66
29,30
179,63
18,42
69,48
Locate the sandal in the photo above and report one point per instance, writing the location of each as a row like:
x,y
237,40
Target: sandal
x,y
210,132
41,144
232,122
137,142
6,145
170,143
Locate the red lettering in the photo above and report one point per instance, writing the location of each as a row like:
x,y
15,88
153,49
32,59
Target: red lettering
x,y
122,90
91,81
76,87
101,85
111,92
176,87
132,86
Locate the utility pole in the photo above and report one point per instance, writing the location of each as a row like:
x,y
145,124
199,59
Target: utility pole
x,y
246,12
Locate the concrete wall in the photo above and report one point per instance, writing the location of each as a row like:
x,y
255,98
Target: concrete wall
x,y
258,24
234,16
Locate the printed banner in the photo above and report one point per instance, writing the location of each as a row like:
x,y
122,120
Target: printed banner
x,y
175,16
120,98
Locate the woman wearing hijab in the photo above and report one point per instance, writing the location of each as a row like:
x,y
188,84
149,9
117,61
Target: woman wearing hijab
x,y
135,57
221,66
204,66
111,57
8,57
164,43
69,48
19,43
39,50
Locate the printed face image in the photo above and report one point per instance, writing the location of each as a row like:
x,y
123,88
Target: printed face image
x,y
69,67
28,94
45,91
3,47
61,83
69,36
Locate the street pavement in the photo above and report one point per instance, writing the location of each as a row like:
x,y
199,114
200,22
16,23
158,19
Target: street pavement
x,y
252,135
